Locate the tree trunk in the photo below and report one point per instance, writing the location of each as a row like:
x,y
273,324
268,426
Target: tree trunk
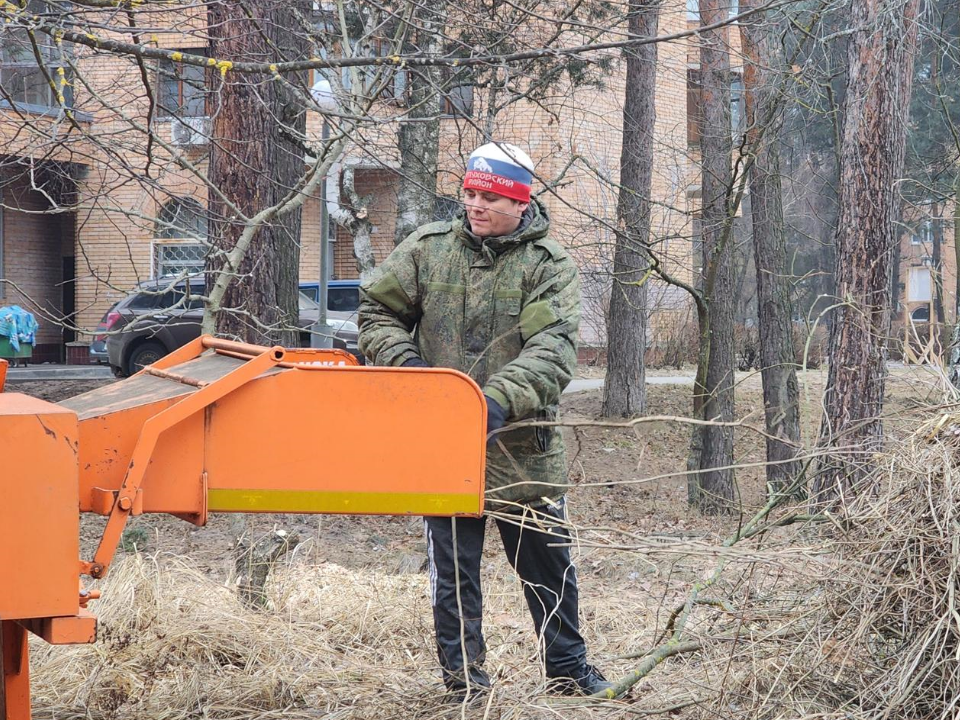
x,y
419,134
255,162
880,69
624,392
937,269
781,394
255,559
955,335
714,393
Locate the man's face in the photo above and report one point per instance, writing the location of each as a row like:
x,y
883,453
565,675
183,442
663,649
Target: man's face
x,y
492,215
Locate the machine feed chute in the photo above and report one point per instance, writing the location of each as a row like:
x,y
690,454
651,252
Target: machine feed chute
x,y
216,426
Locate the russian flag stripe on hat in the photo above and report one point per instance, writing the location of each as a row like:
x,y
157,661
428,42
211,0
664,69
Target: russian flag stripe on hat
x,y
500,169
503,169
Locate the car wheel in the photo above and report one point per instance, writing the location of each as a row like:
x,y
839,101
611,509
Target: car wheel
x,y
144,355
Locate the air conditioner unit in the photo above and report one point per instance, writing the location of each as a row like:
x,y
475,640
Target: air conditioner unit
x,y
190,131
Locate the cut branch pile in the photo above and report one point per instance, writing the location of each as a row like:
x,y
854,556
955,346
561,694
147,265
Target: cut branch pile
x,y
897,631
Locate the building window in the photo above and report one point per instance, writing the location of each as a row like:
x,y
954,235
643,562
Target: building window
x,y
695,106
182,89
919,287
693,9
457,101
177,258
923,235
25,80
389,83
181,245
738,107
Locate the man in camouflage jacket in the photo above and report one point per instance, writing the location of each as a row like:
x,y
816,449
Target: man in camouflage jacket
x,y
492,295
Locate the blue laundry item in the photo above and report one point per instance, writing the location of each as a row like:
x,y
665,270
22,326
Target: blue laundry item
x,y
19,325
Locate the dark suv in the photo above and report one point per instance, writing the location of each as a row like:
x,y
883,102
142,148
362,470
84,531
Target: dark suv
x,y
156,319
343,296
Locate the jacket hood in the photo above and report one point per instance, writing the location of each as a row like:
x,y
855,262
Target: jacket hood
x,y
534,224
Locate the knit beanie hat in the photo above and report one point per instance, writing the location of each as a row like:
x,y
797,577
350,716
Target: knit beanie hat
x,y
502,169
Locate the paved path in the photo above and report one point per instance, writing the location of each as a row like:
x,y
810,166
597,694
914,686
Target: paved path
x,y
33,373
581,384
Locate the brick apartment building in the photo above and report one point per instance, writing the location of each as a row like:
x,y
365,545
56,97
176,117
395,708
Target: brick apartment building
x,y
92,207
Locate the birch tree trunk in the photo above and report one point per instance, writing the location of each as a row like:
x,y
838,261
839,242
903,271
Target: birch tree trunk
x,y
880,70
624,390
255,164
712,445
781,394
419,135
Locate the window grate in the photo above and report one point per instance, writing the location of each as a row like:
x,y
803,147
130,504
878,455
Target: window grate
x,y
178,258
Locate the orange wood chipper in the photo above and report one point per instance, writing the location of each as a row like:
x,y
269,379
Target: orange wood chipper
x,y
216,426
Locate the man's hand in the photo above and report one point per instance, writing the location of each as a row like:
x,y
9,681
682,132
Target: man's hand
x,y
496,418
415,362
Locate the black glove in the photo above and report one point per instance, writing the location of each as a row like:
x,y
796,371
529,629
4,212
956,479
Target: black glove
x,y
496,418
415,362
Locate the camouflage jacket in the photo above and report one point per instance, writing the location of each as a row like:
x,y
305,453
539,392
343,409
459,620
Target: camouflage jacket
x,y
503,310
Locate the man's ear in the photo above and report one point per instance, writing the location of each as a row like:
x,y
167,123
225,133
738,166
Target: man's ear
x,y
522,207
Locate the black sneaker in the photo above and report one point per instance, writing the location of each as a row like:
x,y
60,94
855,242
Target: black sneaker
x,y
586,681
458,692
475,695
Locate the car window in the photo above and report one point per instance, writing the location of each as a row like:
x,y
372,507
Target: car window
x,y
306,303
195,300
153,300
170,298
343,299
145,301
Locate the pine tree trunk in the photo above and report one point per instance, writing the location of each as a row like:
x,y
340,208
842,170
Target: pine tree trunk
x,y
419,134
255,164
781,395
954,354
937,258
880,70
715,395
624,393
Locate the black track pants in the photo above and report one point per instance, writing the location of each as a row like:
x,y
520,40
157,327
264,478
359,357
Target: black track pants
x,y
549,585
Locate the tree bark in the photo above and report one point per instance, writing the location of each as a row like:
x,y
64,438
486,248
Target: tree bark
x,y
955,335
781,394
937,269
419,134
880,70
714,388
254,560
624,392
256,161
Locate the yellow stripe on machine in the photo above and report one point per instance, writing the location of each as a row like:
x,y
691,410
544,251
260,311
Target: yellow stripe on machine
x,y
361,503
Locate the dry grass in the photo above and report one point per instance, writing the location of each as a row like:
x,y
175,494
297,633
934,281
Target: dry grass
x,y
335,643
